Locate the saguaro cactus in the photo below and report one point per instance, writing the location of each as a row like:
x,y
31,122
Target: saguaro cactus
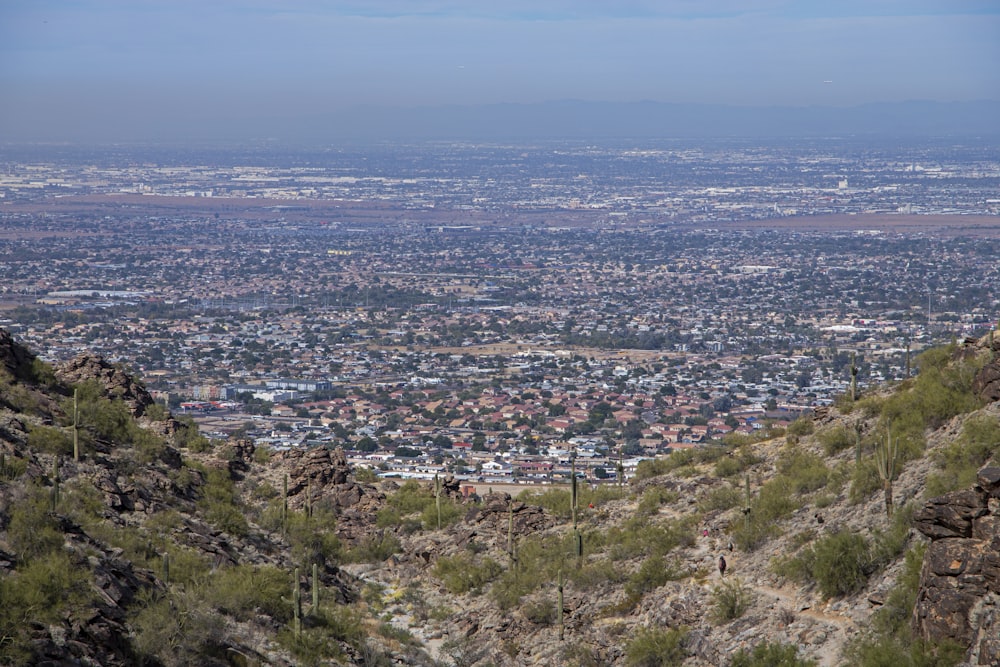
x,y
296,604
166,566
620,470
559,605
76,425
854,379
315,589
746,503
885,462
510,531
437,498
284,505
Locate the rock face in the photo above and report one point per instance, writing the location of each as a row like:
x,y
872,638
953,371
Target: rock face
x,y
116,382
960,579
325,474
986,384
14,358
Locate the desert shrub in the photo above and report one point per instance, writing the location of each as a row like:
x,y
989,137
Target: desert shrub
x,y
640,536
156,412
32,531
241,591
727,467
579,655
653,573
841,563
51,440
958,463
450,513
771,504
654,497
177,629
463,573
806,472
189,437
836,439
220,503
730,600
678,459
373,548
657,647
313,538
801,427
768,654
540,611
11,467
365,475
864,481
720,498
41,592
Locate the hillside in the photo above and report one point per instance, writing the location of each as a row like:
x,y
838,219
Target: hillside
x,y
127,538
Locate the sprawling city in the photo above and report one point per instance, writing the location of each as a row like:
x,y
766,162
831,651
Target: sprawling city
x,y
485,310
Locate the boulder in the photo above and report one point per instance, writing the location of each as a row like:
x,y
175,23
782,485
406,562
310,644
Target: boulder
x,y
950,515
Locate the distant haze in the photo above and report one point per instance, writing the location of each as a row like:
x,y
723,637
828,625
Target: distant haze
x,y
237,70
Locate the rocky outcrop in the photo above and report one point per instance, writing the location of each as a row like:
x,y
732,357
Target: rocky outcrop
x,y
494,516
15,359
960,578
117,383
322,477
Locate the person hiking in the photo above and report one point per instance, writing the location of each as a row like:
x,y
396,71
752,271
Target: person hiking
x,y
722,566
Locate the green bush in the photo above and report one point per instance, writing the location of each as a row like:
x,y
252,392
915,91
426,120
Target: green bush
x,y
806,472
177,629
51,440
43,591
374,548
463,573
841,563
720,498
960,461
801,427
864,481
653,573
655,497
836,439
730,600
657,647
767,654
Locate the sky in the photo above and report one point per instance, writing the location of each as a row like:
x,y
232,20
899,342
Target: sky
x,y
66,61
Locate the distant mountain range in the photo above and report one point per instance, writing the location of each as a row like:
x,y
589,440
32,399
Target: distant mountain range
x,y
579,119
565,119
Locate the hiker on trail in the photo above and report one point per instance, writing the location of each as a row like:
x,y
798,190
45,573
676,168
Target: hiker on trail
x,y
722,566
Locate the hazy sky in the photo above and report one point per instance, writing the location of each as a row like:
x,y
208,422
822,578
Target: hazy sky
x,y
194,58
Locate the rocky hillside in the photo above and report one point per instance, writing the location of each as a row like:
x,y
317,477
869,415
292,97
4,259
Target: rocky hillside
x,y
865,535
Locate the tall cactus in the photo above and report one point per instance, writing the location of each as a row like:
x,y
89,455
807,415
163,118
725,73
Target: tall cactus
x,y
854,378
746,503
296,604
76,425
309,495
620,469
315,590
907,357
284,505
885,463
510,530
559,605
437,498
573,488
166,566
857,442
55,483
